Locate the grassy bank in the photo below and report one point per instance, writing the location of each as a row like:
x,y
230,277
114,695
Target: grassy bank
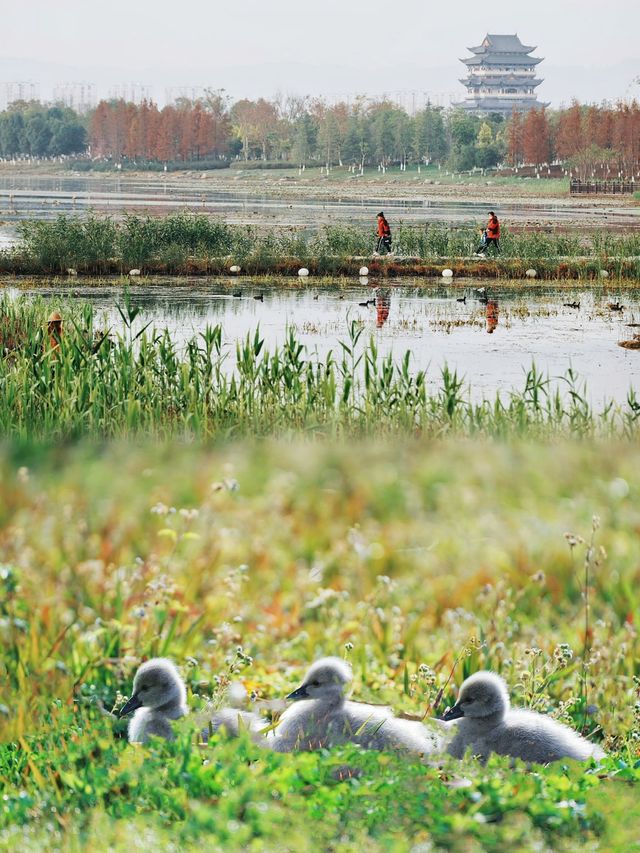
x,y
88,382
420,562
190,245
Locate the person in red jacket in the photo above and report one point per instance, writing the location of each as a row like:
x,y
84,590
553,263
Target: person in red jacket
x,y
491,236
384,235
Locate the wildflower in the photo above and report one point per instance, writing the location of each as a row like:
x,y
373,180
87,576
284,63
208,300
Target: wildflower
x,y
23,475
160,509
189,514
533,652
573,540
427,674
595,522
139,612
563,654
232,485
539,577
348,647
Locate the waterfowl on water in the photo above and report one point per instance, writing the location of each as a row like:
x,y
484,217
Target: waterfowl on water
x,y
485,723
322,717
462,299
571,304
615,306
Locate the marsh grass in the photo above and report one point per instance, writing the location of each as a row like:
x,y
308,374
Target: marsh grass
x,y
183,243
138,381
421,562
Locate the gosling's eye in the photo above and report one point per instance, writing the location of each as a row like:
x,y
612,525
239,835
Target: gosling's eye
x,y
143,688
315,683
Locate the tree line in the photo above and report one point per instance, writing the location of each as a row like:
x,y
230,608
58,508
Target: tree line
x,y
29,128
309,131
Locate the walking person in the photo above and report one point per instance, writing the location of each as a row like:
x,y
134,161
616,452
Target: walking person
x,y
384,236
490,236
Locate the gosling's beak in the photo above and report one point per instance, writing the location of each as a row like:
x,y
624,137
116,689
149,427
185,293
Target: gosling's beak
x,y
453,713
132,704
300,693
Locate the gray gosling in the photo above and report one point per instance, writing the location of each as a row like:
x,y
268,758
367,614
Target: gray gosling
x,y
322,717
158,696
485,723
235,719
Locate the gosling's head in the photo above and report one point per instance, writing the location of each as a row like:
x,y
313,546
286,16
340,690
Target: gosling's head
x,y
483,694
325,679
157,684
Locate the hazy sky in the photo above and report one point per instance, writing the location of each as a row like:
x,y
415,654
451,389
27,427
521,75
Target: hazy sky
x,y
261,43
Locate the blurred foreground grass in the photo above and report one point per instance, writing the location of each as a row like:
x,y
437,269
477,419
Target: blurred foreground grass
x,y
246,562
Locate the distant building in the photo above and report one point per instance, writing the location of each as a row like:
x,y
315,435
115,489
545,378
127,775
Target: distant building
x,y
81,97
189,93
132,93
501,77
20,90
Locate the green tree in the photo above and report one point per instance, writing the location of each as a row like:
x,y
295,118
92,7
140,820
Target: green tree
x,y
12,133
430,137
305,139
357,143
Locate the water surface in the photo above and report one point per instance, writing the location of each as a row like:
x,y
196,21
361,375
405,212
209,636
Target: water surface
x,y
491,339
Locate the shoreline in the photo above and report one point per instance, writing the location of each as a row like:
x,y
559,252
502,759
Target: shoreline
x,y
568,269
288,184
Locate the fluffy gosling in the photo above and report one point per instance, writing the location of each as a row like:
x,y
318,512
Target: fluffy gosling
x,y
485,723
322,717
158,696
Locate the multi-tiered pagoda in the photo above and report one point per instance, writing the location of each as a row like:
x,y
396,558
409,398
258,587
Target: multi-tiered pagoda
x,y
502,77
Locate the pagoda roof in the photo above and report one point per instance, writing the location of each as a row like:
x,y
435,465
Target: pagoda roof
x,y
501,59
501,80
499,105
496,43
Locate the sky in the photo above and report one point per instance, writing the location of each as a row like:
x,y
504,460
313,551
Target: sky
x,y
256,47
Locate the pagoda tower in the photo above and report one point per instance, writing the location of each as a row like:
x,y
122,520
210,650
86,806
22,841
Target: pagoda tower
x,y
501,77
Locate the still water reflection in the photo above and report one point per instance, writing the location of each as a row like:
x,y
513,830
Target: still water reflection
x,y
555,328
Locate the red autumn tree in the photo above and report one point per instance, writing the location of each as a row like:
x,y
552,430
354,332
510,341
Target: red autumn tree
x,y
515,154
569,136
536,137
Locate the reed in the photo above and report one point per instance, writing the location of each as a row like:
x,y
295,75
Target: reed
x,y
140,382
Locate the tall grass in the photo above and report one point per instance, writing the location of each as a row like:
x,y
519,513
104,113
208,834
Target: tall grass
x,y
98,245
420,562
142,383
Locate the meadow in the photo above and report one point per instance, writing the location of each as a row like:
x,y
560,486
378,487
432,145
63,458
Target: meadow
x,y
245,519
419,561
192,244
